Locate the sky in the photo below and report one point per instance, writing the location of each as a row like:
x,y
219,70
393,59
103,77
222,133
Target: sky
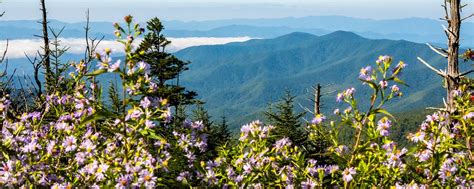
x,y
188,10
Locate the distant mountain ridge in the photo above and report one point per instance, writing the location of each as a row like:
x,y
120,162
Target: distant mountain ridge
x,y
412,29
238,80
420,30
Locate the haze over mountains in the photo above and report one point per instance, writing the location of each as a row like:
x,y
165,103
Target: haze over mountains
x,y
411,29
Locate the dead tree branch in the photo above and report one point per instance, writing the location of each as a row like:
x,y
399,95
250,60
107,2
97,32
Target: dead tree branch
x,y
317,99
46,54
467,17
439,72
36,67
438,50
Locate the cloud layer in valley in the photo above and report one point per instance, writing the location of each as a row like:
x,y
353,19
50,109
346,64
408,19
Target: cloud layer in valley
x,y
18,48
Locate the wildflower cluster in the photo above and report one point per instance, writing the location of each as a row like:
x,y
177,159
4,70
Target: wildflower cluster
x,y
443,153
75,140
255,162
373,157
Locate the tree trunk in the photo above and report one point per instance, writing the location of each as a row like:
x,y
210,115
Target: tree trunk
x,y
317,100
454,23
46,59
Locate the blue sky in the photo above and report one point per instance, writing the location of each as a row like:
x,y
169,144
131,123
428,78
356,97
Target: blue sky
x,y
113,10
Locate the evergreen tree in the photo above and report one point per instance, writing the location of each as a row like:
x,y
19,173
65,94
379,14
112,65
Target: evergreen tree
x,y
164,67
201,114
219,136
222,132
287,122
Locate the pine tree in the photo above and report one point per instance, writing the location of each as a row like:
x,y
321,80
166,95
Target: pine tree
x,y
164,67
287,122
201,114
222,132
218,134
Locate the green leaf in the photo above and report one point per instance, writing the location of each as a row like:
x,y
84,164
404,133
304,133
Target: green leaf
x,y
396,79
97,116
383,111
144,132
97,72
151,134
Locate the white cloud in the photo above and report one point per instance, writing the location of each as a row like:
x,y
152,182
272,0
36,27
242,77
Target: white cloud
x,y
18,48
181,43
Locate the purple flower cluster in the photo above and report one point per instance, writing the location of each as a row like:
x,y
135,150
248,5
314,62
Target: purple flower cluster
x,y
383,126
365,74
347,94
318,119
384,60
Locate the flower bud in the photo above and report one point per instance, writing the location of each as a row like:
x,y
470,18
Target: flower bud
x,y
128,19
117,33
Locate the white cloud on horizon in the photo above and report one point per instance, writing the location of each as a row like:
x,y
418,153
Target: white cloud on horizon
x,y
18,47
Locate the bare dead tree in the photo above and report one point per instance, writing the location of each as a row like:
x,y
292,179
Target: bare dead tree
x,y
4,72
36,67
46,50
2,59
91,46
317,99
91,43
3,85
452,76
453,31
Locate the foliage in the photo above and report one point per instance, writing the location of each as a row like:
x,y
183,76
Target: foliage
x,y
286,122
241,78
78,141
164,67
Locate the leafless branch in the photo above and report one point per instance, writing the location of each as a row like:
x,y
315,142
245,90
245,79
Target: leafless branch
x,y
445,6
467,17
438,50
86,29
305,108
434,108
36,67
431,67
91,43
466,73
4,53
447,31
11,77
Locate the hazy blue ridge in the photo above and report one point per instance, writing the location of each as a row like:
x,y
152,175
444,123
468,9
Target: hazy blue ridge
x,y
419,30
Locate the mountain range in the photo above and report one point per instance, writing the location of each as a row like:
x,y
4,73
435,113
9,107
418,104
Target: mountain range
x,y
412,29
239,80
